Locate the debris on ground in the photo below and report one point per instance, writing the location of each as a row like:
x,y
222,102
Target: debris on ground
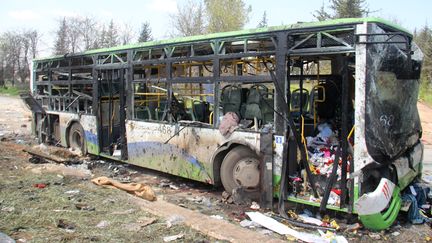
x,y
255,206
61,169
83,206
173,237
65,225
217,217
282,229
249,224
5,238
173,220
138,189
40,185
103,224
375,236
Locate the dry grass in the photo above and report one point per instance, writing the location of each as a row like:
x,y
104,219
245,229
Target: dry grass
x,y
36,212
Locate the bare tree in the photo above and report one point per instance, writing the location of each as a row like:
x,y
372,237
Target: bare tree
x,y
189,19
74,33
127,34
89,32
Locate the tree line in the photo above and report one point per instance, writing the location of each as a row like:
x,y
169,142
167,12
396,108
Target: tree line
x,y
193,17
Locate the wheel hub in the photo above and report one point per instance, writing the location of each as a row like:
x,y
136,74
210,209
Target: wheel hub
x,y
246,173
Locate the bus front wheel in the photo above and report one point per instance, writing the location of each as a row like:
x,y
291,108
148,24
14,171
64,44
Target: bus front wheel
x,y
76,138
240,168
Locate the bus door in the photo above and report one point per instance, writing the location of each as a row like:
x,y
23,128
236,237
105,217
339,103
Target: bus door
x,y
112,112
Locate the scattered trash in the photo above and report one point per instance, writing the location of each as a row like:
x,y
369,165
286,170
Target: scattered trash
x,y
282,229
353,227
248,224
72,192
240,197
265,232
226,198
8,209
332,237
61,169
173,220
5,238
415,199
40,185
37,160
64,225
216,217
173,187
138,189
129,211
83,206
310,220
375,236
103,224
395,233
144,221
255,206
173,237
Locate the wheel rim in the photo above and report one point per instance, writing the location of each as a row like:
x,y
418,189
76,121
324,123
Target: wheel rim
x,y
246,173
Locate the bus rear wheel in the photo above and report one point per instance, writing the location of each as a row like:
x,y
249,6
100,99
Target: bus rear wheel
x,y
240,168
76,138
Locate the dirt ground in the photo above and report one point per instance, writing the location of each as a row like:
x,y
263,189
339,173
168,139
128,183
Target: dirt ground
x,y
71,208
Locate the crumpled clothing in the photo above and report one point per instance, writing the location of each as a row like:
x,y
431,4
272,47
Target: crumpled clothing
x,y
138,189
229,123
414,215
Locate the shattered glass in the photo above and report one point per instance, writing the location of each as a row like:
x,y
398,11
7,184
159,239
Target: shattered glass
x,y
392,120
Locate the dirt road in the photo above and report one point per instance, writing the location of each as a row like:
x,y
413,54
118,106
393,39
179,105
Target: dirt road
x,y
68,208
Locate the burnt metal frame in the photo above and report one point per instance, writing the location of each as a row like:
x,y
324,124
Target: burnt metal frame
x,y
282,53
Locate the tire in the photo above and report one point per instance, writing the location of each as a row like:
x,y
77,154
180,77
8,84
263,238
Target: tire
x,y
77,138
240,168
42,131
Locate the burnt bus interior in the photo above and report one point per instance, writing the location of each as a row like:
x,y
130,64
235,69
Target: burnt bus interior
x,y
284,82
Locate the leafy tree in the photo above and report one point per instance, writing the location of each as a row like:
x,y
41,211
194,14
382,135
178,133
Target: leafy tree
x,y
424,41
263,22
61,45
189,19
145,33
226,15
343,9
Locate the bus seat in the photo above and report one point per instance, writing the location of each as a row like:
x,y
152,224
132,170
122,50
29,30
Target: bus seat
x,y
267,109
252,108
231,99
254,100
201,110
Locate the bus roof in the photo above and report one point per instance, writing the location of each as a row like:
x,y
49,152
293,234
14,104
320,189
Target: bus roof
x,y
300,25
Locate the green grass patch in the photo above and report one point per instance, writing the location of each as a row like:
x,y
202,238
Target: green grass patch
x,y
12,91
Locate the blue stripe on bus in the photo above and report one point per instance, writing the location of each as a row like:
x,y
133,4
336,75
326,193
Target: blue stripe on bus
x,y
91,137
138,149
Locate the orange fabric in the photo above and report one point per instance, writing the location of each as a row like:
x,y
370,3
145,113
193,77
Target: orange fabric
x,y
138,189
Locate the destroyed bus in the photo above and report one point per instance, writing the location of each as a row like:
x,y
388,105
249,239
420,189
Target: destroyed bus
x,y
321,113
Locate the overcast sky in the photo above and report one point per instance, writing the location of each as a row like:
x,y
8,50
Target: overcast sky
x,y
42,14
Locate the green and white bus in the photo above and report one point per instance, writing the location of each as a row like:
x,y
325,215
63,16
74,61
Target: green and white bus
x,y
320,113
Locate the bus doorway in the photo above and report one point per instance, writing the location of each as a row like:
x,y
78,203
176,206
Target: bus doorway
x,y
112,113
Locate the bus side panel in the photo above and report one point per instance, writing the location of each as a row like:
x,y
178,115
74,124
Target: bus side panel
x,y
182,151
65,120
88,122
